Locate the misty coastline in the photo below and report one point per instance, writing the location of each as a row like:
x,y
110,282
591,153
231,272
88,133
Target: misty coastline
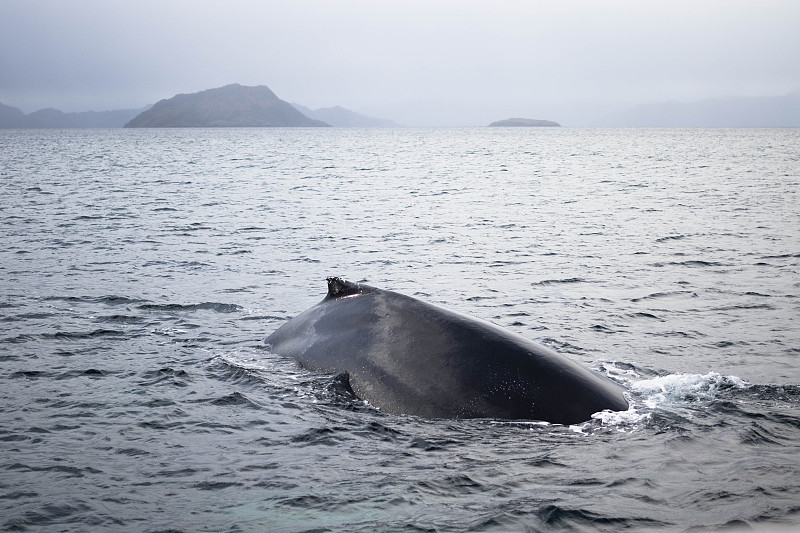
x,y
13,117
779,111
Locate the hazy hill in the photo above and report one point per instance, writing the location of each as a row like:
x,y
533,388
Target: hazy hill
x,y
230,106
524,123
11,117
345,118
780,111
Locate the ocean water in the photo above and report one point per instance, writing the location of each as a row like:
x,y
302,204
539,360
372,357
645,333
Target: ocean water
x,y
141,271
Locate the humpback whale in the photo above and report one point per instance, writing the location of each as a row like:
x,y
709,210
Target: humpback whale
x,y
406,356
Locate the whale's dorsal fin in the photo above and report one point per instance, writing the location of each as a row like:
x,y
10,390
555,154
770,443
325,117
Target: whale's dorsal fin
x,y
338,287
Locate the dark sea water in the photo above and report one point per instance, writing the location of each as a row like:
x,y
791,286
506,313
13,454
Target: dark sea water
x,y
141,270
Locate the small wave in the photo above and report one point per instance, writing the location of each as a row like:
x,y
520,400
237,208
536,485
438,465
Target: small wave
x,y
676,333
479,298
116,300
51,514
18,339
108,299
14,438
30,374
561,281
325,436
789,394
375,430
658,295
120,319
183,230
696,263
165,375
671,238
743,306
76,335
561,346
645,315
603,329
578,519
238,370
216,485
758,435
205,306
63,470
235,398
91,373
235,252
250,228
19,495
759,294
449,486
27,316
264,317
131,452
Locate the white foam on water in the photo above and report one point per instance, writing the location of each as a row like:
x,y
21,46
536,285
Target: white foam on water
x,y
632,417
671,390
684,388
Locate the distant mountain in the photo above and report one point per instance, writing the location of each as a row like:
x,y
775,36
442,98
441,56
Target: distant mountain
x,y
230,106
524,123
345,118
11,117
771,112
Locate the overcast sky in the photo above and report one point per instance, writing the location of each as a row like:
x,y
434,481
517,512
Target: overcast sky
x,y
409,60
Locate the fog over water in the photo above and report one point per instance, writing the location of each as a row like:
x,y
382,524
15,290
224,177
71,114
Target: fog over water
x,y
418,63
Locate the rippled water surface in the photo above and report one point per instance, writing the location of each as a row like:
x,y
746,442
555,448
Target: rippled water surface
x,y
142,269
